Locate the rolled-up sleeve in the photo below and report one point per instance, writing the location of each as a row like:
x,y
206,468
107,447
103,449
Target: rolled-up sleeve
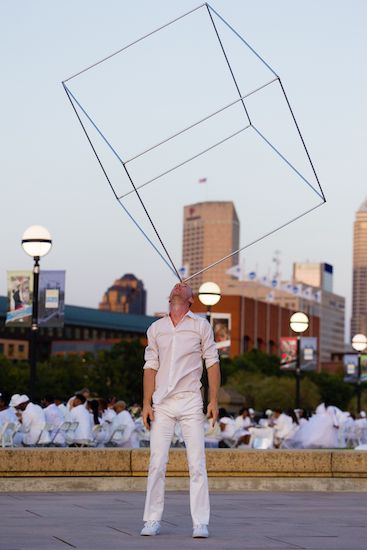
x,y
209,350
151,355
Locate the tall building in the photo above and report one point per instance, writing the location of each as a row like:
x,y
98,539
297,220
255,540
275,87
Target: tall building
x,y
211,231
359,303
126,295
317,275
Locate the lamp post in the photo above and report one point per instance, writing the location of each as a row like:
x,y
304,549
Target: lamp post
x,y
209,295
36,242
299,323
359,343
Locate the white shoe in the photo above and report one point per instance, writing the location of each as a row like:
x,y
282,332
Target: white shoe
x,y
200,531
151,528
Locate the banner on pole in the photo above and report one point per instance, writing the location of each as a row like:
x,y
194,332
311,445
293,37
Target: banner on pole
x,y
221,323
20,294
351,368
308,353
51,302
288,352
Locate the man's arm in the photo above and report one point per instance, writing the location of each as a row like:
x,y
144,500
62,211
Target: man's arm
x,y
214,385
150,371
148,389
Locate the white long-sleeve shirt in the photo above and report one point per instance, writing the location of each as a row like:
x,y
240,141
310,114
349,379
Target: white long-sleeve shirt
x,y
177,352
129,438
84,431
33,425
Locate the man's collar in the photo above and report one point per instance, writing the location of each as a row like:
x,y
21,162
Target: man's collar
x,y
189,313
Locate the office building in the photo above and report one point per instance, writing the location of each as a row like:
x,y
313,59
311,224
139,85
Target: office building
x,y
255,323
211,230
126,295
317,275
359,302
302,296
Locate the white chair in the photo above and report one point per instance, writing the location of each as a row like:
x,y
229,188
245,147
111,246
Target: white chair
x,y
115,437
262,438
7,433
62,429
70,432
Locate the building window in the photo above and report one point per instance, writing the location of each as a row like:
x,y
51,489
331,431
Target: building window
x,y
11,350
272,347
246,344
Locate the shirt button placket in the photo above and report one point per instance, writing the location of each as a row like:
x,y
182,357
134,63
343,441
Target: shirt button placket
x,y
170,385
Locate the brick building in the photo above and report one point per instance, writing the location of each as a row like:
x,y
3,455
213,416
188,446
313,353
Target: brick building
x,y
256,324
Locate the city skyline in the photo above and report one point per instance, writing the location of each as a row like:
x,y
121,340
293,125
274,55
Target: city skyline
x,y
48,174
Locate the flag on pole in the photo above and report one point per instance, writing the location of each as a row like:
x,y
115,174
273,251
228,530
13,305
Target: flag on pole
x,y
307,293
252,276
235,271
184,271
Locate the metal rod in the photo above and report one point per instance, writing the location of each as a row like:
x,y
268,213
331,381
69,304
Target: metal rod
x,y
228,63
359,386
34,330
255,241
201,120
242,39
289,164
186,161
303,141
133,43
298,375
110,184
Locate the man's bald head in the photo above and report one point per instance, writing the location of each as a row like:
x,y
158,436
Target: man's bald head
x,y
119,406
182,293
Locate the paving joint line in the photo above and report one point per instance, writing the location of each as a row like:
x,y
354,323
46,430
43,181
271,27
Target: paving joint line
x,y
64,542
34,513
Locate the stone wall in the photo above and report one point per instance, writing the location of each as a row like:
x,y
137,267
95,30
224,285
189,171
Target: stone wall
x,y
228,469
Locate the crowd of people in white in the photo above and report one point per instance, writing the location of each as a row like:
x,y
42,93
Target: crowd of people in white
x,y
327,428
84,421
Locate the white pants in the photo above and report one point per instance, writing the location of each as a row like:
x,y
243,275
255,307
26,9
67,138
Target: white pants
x,y
187,409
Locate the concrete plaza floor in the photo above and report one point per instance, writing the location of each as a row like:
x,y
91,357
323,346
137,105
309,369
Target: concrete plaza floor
x,y
246,521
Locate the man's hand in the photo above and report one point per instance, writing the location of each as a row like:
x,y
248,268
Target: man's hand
x,y
148,415
212,411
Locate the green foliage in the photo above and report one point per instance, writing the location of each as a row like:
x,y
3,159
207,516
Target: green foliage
x,y
263,392
111,373
259,378
118,372
333,389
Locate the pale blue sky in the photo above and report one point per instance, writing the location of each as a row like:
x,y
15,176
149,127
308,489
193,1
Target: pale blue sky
x,y
49,177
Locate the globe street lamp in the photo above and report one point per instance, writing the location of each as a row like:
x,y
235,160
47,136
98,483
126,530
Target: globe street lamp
x,y
299,323
36,242
359,343
209,295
